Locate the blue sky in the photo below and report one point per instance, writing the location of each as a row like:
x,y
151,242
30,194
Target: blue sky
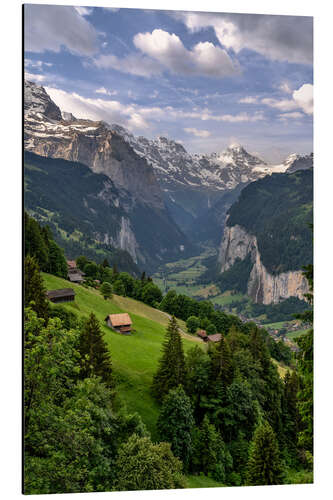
x,y
203,79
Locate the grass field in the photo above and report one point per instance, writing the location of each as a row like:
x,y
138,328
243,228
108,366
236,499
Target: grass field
x,y
226,298
134,357
297,333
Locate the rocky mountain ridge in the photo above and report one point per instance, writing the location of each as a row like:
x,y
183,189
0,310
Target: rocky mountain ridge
x,y
59,135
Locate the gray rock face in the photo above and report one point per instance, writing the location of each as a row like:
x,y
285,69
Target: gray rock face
x,y
37,101
48,133
301,163
262,287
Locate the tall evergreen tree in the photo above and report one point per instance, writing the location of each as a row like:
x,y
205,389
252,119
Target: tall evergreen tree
x,y
290,410
222,367
106,290
209,455
95,356
34,291
305,369
264,465
171,370
175,423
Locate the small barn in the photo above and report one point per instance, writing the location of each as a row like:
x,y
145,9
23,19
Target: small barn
x,y
214,338
122,323
61,295
75,277
202,334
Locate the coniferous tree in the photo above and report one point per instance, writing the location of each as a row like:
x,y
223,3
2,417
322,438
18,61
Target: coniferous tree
x,y
175,423
305,369
264,465
222,367
34,291
290,410
106,290
209,455
171,370
95,356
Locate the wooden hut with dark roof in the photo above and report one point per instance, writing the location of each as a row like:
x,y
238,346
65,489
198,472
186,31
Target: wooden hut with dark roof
x,y
122,323
61,295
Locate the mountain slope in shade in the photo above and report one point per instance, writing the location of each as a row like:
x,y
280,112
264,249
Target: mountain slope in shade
x,y
147,231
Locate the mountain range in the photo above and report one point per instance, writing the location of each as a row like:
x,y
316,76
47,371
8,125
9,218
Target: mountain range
x,y
155,200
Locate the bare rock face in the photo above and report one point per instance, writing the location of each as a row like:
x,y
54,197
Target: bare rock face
x,y
49,133
262,287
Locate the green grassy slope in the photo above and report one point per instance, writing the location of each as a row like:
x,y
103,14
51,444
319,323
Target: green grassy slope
x,y
134,357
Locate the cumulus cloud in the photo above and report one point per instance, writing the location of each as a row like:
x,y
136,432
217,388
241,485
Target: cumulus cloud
x,y
281,38
168,50
103,90
304,98
51,27
197,133
301,99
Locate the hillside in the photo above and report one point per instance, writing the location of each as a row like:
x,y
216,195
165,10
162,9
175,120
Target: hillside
x,y
134,357
277,210
88,212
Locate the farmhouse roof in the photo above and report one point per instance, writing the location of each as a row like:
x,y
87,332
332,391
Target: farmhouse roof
x,y
215,338
120,319
75,277
63,292
202,333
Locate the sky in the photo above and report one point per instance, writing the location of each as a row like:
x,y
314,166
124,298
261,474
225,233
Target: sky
x,y
203,79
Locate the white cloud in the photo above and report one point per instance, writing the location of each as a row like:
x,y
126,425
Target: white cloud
x,y
282,105
301,99
168,50
293,115
248,100
36,64
136,117
304,98
34,77
84,11
103,90
197,133
134,64
97,109
282,38
50,27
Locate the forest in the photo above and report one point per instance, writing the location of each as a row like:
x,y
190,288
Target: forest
x,y
224,412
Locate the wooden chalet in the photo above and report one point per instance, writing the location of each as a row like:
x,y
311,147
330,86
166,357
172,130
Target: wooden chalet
x,y
75,275
61,295
202,334
214,338
122,323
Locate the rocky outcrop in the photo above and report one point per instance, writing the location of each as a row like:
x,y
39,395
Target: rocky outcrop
x,y
124,239
262,286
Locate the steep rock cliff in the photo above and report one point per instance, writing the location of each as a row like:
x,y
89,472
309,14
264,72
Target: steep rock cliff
x,y
262,286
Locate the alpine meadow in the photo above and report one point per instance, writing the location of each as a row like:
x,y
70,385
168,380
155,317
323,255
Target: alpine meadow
x,y
168,249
